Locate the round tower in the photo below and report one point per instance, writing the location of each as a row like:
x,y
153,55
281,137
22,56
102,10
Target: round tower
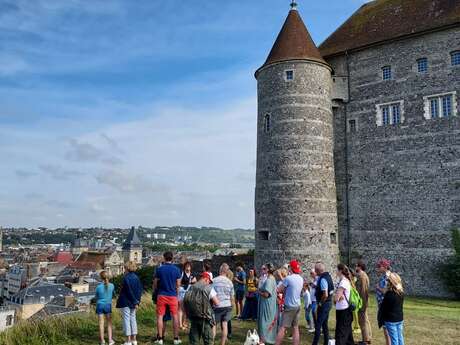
x,y
295,199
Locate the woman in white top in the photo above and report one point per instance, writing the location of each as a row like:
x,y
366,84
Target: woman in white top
x,y
344,314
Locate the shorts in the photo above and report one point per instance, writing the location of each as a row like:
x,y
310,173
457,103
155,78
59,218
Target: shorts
x,y
239,295
290,317
103,309
170,301
182,292
223,314
167,316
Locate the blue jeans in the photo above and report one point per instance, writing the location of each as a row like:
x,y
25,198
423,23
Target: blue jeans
x,y
321,323
128,317
395,331
308,314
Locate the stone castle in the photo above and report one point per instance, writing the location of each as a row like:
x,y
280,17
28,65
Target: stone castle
x,y
358,145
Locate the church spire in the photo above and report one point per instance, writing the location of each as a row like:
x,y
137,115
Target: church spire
x,y
294,4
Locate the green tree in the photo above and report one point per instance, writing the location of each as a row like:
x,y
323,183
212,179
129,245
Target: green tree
x,y
145,275
450,271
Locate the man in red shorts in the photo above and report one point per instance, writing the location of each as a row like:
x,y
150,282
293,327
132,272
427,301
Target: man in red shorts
x,y
166,285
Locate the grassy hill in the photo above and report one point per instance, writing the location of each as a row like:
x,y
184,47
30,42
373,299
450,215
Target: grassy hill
x,y
428,322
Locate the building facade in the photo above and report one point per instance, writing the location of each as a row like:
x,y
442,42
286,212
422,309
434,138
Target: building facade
x,y
396,82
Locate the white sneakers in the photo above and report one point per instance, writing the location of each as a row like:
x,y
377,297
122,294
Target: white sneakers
x,y
160,342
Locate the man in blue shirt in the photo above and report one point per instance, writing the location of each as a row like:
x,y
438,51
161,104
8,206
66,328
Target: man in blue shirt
x,y
324,290
166,286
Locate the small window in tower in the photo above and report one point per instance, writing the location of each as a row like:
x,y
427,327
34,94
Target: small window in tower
x,y
333,238
422,65
352,126
264,235
267,124
386,73
455,58
289,75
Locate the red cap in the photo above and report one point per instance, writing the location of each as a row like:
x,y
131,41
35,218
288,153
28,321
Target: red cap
x,y
385,263
295,267
207,276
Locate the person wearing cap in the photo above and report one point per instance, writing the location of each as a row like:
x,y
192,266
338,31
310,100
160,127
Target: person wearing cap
x,y
201,326
292,289
383,270
324,290
392,309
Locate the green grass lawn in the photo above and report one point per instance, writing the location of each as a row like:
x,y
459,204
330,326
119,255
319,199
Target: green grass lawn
x,y
428,322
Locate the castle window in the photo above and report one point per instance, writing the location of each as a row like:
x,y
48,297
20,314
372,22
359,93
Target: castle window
x,y
422,65
447,106
333,238
267,124
434,108
442,105
386,73
390,113
352,126
455,58
386,115
289,75
264,235
396,112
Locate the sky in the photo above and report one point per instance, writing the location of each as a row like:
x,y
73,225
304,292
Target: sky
x,y
123,112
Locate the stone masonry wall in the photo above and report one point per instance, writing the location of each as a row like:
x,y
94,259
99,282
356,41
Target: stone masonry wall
x,y
404,180
295,201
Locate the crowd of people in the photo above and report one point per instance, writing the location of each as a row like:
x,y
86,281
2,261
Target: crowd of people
x,y
203,303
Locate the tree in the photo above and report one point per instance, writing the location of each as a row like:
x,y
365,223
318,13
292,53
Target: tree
x,y
145,275
450,271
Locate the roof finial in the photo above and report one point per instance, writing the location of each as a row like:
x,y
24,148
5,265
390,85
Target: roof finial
x,y
294,4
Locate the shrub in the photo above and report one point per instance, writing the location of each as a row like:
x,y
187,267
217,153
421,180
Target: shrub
x,y
450,271
145,275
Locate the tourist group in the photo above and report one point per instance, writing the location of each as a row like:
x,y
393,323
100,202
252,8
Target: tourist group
x,y
275,298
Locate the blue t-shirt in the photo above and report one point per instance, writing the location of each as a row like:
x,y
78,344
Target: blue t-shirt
x,y
168,274
241,276
294,285
104,294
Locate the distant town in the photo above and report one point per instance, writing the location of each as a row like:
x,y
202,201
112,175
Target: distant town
x,y
47,272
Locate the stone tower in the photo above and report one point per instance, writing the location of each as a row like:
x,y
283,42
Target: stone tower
x,y
132,247
295,199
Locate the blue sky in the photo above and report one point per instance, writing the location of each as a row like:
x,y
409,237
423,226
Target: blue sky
x,y
119,113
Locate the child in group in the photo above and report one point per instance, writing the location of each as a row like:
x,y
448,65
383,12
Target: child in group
x,y
307,305
104,296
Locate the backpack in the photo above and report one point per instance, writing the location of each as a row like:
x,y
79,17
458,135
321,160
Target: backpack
x,y
196,302
356,302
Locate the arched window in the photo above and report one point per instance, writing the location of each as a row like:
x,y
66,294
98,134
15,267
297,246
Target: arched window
x,y
267,124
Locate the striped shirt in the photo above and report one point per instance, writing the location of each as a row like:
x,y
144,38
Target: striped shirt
x,y
224,289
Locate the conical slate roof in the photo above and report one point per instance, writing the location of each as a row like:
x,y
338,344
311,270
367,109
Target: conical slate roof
x,y
294,42
133,240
